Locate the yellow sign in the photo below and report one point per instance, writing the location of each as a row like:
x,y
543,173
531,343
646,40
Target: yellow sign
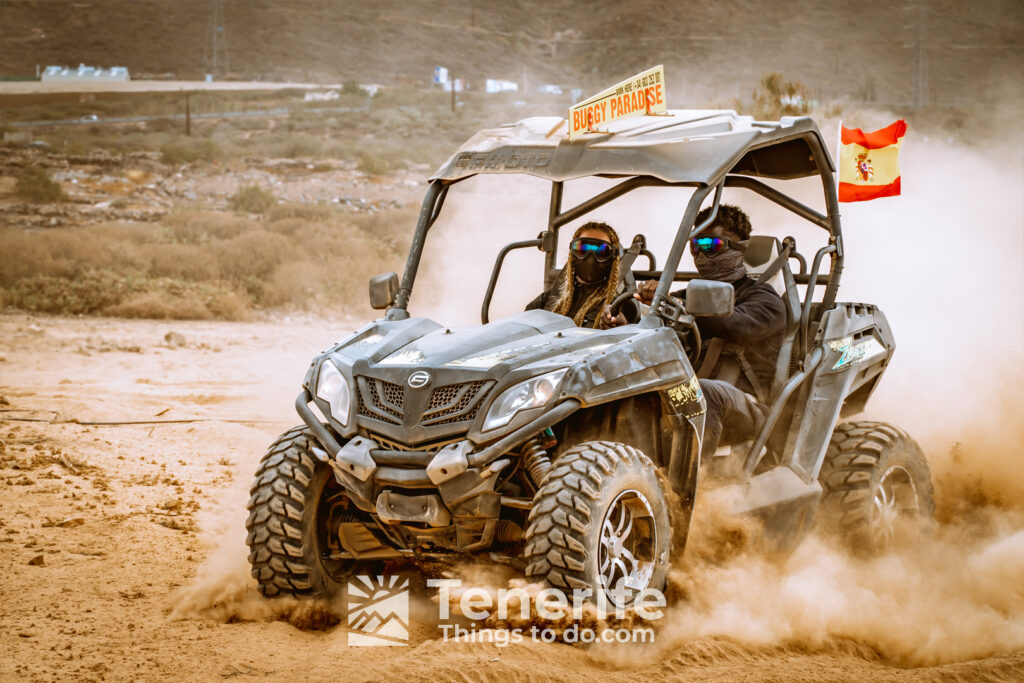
x,y
642,94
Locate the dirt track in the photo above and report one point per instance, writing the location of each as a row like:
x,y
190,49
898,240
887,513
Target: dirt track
x,y
143,572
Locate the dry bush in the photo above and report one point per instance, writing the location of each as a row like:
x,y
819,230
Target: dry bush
x,y
305,212
89,293
160,306
252,199
199,227
36,185
203,265
776,97
182,261
189,150
252,254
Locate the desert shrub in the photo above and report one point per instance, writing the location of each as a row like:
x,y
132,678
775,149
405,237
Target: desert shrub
x,y
203,265
352,88
88,293
198,227
160,306
36,185
252,199
296,146
189,150
303,212
776,97
252,254
376,164
164,124
182,261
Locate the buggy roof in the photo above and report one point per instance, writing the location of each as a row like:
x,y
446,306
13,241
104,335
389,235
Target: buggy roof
x,y
681,146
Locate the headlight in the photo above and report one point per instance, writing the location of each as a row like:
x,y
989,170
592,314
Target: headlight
x,y
533,393
332,387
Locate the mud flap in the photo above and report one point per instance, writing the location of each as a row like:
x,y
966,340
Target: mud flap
x,y
783,504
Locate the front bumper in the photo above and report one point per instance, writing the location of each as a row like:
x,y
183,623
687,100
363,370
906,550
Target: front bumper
x,y
444,497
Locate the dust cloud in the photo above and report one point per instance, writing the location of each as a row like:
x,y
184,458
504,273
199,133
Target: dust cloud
x,y
944,262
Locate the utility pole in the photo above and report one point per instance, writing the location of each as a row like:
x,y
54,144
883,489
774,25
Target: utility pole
x,y
922,67
451,82
219,40
188,115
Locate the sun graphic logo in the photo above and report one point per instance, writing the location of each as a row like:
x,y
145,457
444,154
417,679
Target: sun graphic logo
x,y
378,606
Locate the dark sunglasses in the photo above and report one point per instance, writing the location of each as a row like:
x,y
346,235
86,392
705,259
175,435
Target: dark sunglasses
x,y
583,246
712,246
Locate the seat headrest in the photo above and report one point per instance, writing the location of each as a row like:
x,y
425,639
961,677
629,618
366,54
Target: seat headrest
x,y
761,249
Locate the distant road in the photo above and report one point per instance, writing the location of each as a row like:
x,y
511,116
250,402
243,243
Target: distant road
x,y
279,111
53,87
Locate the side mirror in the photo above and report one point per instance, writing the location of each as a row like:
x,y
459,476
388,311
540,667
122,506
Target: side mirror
x,y
383,290
709,298
760,249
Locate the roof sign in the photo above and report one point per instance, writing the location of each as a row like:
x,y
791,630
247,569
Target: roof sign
x,y
642,94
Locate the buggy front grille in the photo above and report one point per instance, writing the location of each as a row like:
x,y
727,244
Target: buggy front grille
x,y
454,403
380,400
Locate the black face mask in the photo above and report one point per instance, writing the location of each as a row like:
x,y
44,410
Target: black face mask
x,y
589,270
725,267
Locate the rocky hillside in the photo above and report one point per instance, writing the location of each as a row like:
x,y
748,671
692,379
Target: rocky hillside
x,y
898,52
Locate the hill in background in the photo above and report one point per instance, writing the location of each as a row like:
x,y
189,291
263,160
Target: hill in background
x,y
899,53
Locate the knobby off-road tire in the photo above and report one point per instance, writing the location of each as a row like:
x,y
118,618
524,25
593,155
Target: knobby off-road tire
x,y
877,486
599,514
287,524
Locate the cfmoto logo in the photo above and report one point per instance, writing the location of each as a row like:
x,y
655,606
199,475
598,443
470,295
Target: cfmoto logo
x,y
419,379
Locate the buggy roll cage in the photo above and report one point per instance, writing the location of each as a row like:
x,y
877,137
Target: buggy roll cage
x,y
661,305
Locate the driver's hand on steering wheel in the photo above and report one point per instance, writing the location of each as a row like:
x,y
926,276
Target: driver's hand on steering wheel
x,y
606,320
645,291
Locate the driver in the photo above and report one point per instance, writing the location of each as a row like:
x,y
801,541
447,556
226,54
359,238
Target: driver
x,y
756,326
590,281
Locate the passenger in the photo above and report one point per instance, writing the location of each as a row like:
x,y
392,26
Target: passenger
x,y
756,326
590,281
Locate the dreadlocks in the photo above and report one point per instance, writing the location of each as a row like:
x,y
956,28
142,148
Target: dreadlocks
x,y
601,297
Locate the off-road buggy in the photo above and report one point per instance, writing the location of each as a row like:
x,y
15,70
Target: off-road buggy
x,y
536,441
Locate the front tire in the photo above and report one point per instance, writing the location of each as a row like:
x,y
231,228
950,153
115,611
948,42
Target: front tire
x,y
294,508
877,486
600,518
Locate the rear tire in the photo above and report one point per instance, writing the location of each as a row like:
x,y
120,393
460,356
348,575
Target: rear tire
x,y
294,504
600,517
877,486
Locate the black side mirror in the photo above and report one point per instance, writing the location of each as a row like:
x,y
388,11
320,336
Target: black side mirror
x,y
383,290
709,298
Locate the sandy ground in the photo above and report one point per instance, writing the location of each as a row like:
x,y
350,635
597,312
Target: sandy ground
x,y
124,555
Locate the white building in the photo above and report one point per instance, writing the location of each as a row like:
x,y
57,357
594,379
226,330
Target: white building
x,y
85,74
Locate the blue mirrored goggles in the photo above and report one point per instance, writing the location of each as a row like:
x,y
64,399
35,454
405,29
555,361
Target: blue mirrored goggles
x,y
584,246
711,246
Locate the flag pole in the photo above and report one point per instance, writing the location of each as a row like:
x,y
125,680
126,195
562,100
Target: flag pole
x,y
839,150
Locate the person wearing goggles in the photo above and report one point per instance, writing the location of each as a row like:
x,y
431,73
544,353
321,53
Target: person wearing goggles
x,y
752,335
590,281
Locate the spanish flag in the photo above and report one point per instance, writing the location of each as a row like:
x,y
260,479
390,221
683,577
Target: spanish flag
x,y
869,163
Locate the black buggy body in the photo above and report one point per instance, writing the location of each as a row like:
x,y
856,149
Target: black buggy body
x,y
550,445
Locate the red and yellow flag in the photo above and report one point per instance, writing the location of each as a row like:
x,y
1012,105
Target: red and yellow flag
x,y
869,163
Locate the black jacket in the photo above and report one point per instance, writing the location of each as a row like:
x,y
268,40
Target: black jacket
x,y
757,324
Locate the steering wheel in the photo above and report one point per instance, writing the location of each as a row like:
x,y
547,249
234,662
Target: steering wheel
x,y
616,306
